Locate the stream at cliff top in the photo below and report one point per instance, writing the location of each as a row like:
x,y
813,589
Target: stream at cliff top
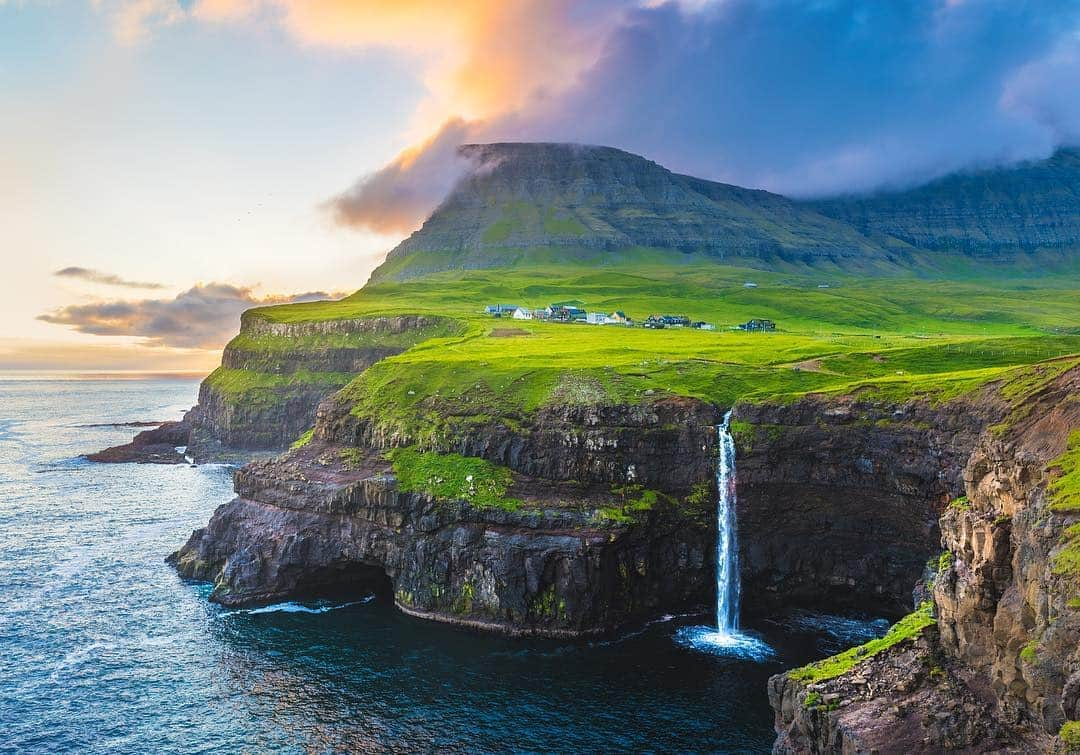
x,y
106,650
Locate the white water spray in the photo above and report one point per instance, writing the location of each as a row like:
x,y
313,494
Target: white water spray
x,y
725,638
727,540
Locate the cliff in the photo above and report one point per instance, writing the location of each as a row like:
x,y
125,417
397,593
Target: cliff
x,y
274,374
562,552
839,496
991,661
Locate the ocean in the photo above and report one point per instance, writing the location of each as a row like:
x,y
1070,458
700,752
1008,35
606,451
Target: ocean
x,y
106,650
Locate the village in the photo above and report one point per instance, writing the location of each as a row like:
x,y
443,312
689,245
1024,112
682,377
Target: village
x,y
573,313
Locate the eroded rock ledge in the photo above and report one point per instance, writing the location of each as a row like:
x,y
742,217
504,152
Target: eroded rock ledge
x,y
1000,670
330,516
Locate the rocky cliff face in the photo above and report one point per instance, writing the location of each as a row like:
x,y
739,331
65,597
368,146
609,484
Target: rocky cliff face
x,y
1003,610
1000,669
274,374
331,517
664,444
839,498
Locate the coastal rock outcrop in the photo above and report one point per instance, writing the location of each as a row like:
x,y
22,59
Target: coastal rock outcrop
x,y
158,445
907,699
274,374
570,559
272,377
999,669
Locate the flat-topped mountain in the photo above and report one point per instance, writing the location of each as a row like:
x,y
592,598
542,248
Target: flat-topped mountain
x,y
580,202
567,202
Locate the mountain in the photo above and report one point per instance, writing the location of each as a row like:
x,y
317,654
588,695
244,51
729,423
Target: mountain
x,y
580,202
998,212
567,202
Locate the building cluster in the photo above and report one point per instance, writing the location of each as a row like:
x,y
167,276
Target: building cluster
x,y
758,326
658,322
559,313
570,312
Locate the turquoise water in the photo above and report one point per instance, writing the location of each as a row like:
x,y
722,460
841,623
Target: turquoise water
x,y
105,650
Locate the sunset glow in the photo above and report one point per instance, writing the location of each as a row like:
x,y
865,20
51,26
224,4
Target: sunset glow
x,y
283,147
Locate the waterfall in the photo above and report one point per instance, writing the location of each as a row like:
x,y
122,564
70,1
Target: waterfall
x,y
725,638
727,540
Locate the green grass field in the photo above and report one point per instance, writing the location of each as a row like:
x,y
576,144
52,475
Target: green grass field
x,y
896,337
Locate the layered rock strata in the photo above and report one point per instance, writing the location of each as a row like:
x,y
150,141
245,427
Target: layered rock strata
x,y
331,517
839,497
1000,671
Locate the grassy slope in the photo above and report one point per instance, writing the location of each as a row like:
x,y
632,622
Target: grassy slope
x,y
897,336
1065,499
270,362
713,292
908,628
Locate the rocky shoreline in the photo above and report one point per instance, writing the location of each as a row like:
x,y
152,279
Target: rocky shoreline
x,y
999,671
561,565
157,445
842,503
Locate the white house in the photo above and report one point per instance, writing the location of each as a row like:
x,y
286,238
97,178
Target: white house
x,y
749,284
522,314
596,318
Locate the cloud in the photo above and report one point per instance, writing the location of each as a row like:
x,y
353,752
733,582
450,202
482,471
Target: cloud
x,y
133,20
108,279
1045,92
805,97
394,198
479,57
203,317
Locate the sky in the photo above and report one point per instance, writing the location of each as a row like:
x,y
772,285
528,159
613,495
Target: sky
x,y
165,165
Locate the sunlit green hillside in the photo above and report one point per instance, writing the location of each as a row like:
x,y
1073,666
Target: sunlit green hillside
x,y
893,337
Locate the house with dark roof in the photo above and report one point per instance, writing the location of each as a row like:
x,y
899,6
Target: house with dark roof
x,y
758,326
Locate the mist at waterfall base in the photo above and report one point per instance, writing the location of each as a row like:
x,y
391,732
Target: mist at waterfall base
x,y
725,638
107,650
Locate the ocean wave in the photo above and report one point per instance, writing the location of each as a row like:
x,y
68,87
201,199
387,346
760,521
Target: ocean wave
x,y
294,607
